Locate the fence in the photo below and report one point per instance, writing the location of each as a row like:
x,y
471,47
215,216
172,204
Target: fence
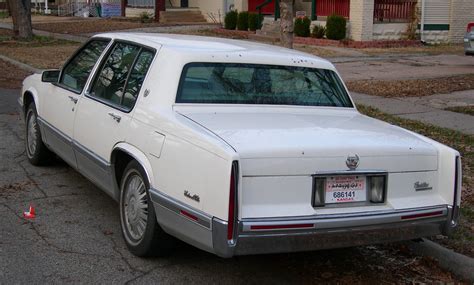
x,y
394,10
329,7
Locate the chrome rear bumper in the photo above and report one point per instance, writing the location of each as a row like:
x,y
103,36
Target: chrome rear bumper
x,y
331,233
277,235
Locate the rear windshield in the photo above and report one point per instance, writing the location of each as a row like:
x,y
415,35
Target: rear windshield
x,y
235,83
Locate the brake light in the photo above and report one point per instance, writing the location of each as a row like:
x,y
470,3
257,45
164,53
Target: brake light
x,y
232,200
469,27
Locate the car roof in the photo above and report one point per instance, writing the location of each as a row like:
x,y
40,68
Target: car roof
x,y
199,45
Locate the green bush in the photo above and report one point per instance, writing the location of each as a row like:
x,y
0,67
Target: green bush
x,y
254,23
243,21
302,27
318,32
230,20
336,27
145,17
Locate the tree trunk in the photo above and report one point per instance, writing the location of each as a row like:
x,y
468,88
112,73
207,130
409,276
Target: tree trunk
x,y
287,23
20,10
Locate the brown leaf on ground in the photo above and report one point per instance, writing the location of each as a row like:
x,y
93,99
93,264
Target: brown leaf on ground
x,y
11,76
413,88
49,56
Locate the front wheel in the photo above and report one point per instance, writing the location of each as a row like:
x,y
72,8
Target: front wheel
x,y
36,151
142,233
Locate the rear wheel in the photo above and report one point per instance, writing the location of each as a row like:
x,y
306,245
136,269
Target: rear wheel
x,y
36,151
142,233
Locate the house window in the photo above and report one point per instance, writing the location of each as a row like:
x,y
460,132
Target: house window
x,y
397,11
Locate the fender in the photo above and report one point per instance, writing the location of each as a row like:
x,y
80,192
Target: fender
x,y
34,93
139,156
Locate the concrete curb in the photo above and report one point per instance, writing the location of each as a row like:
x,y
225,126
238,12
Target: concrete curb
x,y
460,265
20,64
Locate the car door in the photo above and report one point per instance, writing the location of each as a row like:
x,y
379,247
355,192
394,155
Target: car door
x,y
104,113
60,99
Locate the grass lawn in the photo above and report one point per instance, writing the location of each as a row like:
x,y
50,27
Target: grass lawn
x,y
463,239
468,110
413,87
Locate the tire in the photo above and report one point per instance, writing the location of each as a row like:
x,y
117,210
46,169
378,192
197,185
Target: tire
x,y
140,229
36,150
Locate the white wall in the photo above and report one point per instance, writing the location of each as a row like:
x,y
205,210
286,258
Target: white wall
x,y
207,7
389,31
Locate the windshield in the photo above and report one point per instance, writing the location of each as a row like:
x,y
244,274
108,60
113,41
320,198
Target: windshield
x,y
236,83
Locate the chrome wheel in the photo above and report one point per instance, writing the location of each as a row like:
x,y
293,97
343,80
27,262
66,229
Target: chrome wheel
x,y
135,207
31,134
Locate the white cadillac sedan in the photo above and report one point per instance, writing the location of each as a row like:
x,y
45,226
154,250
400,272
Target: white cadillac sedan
x,y
235,147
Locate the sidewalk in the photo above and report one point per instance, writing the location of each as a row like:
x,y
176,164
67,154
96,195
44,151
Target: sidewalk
x,y
428,109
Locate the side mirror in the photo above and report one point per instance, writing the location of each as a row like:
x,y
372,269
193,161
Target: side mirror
x,y
50,75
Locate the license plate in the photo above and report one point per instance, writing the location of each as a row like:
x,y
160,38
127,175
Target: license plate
x,y
345,189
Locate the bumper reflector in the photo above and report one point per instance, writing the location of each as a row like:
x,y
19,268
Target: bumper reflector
x,y
422,215
188,215
281,227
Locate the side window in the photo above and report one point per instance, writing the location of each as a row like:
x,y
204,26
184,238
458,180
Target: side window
x,y
119,79
78,69
135,80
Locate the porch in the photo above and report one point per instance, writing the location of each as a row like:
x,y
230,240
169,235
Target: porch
x,y
367,19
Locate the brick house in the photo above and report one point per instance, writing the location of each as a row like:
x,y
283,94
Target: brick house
x,y
438,20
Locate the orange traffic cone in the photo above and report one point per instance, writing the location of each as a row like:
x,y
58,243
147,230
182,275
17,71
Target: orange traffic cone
x,y
30,214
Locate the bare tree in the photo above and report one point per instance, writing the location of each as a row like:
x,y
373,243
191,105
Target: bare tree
x,y
287,23
20,10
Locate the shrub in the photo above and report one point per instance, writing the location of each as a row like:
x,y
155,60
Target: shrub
x,y
243,21
336,27
318,32
230,20
254,22
145,17
302,27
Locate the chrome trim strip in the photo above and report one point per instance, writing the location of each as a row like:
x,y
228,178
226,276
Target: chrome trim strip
x,y
102,163
350,172
343,172
346,216
77,146
176,206
330,222
59,134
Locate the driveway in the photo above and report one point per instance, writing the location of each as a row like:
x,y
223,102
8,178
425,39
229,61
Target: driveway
x,y
76,237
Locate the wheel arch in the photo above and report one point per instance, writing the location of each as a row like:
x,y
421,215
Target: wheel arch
x,y
30,95
122,154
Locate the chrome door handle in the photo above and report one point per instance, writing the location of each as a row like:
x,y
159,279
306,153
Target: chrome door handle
x,y
115,117
74,100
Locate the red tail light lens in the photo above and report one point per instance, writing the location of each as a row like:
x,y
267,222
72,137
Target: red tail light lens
x,y
469,27
232,200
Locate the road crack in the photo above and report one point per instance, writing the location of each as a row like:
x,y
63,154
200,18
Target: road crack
x,y
48,243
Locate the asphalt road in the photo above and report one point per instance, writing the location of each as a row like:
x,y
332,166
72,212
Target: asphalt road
x,y
76,237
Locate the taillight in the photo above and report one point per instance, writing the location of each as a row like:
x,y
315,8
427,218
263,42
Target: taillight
x,y
457,188
232,202
469,27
